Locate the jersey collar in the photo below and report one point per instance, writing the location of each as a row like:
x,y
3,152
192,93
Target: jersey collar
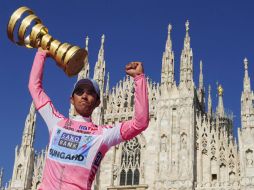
x,y
81,118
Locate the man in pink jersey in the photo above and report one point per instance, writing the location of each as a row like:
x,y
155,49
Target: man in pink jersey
x,y
77,145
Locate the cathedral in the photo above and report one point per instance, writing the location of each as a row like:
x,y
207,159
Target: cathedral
x,y
188,144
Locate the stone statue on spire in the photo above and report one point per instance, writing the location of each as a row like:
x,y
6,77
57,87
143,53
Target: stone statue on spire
x,y
169,28
102,39
245,61
220,90
187,25
87,40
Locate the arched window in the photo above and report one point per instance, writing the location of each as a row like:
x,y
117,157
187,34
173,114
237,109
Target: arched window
x,y
136,177
130,162
129,177
249,158
122,177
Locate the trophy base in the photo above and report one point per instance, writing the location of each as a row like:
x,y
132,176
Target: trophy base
x,y
76,62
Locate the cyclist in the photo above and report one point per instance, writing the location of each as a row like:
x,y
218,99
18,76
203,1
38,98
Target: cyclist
x,y
77,145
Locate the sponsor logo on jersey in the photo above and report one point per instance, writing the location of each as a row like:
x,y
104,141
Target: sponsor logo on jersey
x,y
98,159
65,156
94,168
69,141
82,127
68,123
70,147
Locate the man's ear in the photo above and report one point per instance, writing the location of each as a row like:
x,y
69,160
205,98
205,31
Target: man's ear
x,y
98,103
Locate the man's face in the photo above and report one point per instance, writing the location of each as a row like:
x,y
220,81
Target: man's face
x,y
85,100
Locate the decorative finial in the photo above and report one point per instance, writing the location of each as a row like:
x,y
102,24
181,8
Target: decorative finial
x,y
220,90
87,40
187,25
201,65
245,61
102,39
209,89
169,28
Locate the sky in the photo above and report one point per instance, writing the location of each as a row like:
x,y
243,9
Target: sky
x,y
221,34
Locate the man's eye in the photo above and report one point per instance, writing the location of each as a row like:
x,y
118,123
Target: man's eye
x,y
79,92
90,92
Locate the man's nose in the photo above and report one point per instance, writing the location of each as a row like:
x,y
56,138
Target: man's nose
x,y
84,95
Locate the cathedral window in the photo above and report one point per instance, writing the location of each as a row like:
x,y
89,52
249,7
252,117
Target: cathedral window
x,y
214,177
231,176
130,163
136,177
19,172
125,104
122,177
129,177
249,158
163,145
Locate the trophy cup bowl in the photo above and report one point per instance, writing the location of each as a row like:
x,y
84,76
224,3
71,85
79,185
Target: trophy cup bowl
x,y
31,33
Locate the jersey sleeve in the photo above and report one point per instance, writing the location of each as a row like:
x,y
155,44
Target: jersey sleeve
x,y
131,128
41,101
112,135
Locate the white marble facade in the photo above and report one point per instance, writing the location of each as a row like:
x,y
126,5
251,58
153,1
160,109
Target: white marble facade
x,y
187,145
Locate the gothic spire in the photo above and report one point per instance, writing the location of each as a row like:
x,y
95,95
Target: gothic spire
x,y
99,70
28,133
84,73
201,81
187,37
1,177
168,47
167,71
220,107
107,86
23,164
186,65
247,111
246,82
201,90
101,51
209,103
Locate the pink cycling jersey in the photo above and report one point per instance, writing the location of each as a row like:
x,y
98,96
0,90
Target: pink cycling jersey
x,y
76,145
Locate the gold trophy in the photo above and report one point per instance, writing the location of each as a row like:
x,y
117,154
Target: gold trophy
x,y
33,34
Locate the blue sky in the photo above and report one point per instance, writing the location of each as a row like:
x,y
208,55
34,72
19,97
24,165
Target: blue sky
x,y
221,36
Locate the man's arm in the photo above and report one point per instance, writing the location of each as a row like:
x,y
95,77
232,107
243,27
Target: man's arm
x,y
139,123
42,102
129,129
